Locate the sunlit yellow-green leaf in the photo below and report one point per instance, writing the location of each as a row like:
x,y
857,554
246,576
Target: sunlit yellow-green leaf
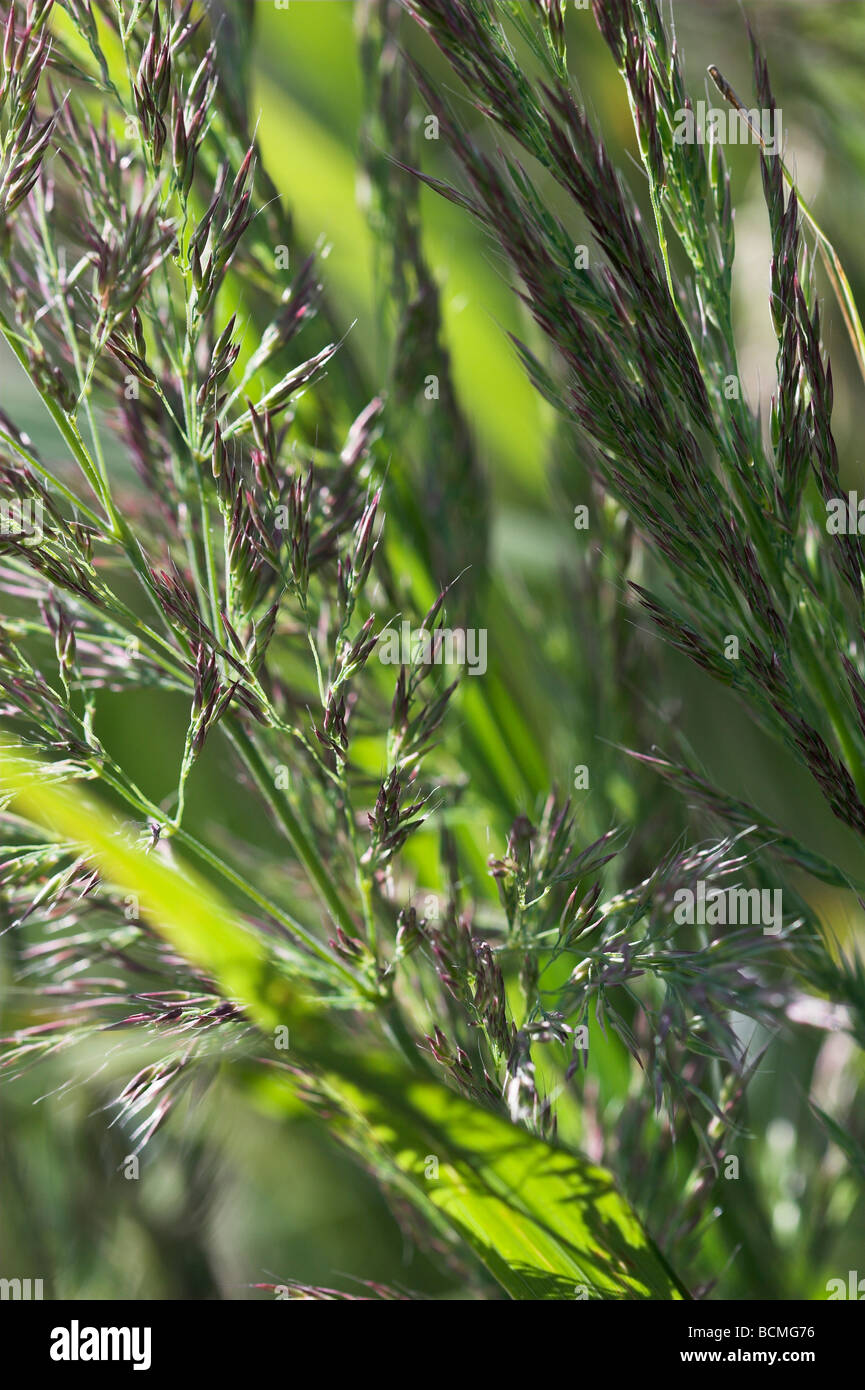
x,y
544,1221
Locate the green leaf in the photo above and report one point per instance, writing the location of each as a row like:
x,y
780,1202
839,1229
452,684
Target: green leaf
x,y
545,1222
318,178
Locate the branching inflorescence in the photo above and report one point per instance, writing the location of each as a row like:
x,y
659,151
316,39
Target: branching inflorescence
x,y
211,531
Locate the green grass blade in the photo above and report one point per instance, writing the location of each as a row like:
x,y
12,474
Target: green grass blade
x,y
545,1222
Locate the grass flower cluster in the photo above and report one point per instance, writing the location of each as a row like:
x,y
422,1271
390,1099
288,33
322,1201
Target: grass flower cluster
x,y
449,961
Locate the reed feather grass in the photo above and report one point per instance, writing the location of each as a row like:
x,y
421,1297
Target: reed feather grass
x,y
212,530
